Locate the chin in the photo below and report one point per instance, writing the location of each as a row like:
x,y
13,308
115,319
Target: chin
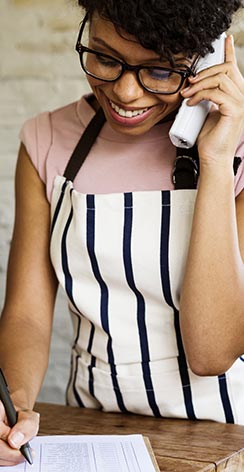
x,y
129,130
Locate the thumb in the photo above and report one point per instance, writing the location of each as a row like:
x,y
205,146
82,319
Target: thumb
x,y
16,438
25,429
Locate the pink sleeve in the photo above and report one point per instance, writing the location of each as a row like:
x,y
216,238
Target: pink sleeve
x,y
239,179
36,135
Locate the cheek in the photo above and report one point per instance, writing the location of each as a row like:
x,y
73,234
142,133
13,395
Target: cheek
x,y
172,101
96,84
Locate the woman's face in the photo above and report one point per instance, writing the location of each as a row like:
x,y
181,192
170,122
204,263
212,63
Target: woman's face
x,y
126,96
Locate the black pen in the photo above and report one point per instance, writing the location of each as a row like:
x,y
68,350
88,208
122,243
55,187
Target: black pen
x,y
12,414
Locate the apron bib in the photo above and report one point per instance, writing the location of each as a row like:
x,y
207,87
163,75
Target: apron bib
x,y
120,259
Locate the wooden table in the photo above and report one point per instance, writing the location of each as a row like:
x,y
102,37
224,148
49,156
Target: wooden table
x,y
179,445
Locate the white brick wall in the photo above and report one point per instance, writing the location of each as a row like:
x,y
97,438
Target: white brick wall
x,y
39,70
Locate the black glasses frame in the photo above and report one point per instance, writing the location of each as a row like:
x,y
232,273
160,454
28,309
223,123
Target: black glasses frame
x,y
128,67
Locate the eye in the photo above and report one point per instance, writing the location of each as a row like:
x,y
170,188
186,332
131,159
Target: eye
x,y
106,61
159,74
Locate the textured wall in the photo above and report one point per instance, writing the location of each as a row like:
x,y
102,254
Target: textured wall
x,y
39,70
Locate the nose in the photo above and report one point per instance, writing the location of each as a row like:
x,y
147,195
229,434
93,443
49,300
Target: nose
x,y
127,88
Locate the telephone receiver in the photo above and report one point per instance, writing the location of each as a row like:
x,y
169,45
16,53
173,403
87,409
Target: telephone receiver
x,y
189,120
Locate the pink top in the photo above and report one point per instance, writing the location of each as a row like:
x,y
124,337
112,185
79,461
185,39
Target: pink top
x,y
116,162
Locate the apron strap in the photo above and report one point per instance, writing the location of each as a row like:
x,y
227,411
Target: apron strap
x,y
186,168
84,145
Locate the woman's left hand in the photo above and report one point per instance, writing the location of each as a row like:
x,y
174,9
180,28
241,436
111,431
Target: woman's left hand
x,y
222,84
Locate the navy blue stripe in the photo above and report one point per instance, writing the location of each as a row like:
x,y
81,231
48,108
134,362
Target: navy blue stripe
x,y
185,380
77,396
69,291
91,377
72,379
58,206
65,264
225,399
68,283
67,275
78,329
104,295
69,381
93,361
141,322
91,337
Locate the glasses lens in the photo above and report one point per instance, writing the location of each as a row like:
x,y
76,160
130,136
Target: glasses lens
x,y
160,80
101,66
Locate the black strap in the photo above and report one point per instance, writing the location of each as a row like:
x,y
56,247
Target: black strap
x,y
237,161
186,168
84,145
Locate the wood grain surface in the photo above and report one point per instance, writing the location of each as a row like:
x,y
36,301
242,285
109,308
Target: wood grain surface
x,y
178,445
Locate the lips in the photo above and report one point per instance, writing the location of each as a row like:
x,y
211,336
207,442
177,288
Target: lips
x,y
127,116
127,113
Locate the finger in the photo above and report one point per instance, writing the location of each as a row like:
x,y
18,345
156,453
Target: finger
x,y
217,82
9,456
225,70
25,429
225,67
230,55
2,412
4,431
227,106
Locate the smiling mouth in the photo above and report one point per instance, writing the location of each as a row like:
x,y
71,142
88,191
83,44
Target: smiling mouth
x,y
127,113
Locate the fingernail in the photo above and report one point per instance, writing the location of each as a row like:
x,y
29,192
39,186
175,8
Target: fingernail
x,y
185,90
17,439
194,77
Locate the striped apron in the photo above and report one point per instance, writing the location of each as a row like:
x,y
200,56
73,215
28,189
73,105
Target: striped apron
x,y
120,259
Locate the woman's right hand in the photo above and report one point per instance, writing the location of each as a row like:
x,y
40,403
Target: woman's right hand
x,y
28,309
11,439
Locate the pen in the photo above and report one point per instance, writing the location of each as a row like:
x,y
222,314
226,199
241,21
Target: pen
x,y
12,415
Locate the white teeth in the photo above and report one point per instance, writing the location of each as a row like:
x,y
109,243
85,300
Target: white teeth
x,y
127,113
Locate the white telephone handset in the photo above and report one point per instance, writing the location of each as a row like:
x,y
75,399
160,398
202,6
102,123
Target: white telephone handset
x,y
189,120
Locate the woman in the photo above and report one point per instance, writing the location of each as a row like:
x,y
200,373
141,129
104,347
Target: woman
x,y
154,277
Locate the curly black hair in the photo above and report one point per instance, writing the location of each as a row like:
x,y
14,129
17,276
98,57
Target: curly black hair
x,y
168,26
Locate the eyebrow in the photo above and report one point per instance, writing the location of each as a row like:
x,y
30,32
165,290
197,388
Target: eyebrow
x,y
103,43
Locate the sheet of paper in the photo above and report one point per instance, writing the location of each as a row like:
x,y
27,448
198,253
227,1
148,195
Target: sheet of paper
x,y
88,454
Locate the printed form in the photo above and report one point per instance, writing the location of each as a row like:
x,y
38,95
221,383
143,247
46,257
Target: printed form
x,y
88,454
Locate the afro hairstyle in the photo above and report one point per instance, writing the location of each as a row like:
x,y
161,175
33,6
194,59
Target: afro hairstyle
x,y
168,27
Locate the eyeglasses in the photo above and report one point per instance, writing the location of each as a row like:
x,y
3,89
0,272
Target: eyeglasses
x,y
155,79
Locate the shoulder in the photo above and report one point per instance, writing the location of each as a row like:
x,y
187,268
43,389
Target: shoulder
x,y
38,131
70,118
51,136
